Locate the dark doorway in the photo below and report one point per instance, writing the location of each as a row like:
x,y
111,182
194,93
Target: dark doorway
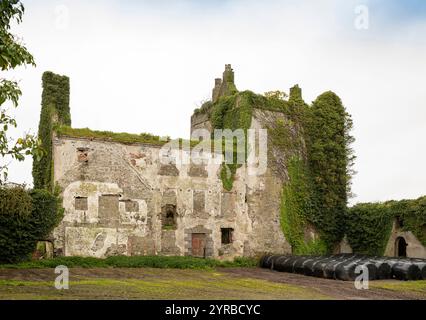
x,y
400,247
199,244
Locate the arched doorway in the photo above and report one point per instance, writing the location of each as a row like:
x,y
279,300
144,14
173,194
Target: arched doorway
x,y
400,247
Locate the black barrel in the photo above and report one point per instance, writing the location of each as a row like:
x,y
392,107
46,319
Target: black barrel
x,y
299,264
308,269
268,261
330,267
279,263
346,270
422,267
384,268
288,265
372,269
406,271
318,268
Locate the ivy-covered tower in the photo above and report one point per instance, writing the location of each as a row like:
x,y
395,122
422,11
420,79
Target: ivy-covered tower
x,y
55,110
226,85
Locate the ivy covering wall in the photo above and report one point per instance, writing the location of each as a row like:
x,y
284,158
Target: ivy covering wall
x,y
330,158
316,143
369,225
54,110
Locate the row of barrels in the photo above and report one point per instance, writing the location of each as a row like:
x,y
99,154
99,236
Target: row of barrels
x,y
348,266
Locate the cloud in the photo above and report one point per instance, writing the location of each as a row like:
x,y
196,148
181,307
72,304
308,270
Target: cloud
x,y
144,67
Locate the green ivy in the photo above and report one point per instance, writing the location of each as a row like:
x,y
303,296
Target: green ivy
x,y
54,110
327,127
298,208
235,111
368,225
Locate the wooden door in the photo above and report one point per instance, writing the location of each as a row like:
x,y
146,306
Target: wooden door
x,y
198,244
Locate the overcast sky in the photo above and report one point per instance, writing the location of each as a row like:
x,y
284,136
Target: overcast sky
x,y
143,66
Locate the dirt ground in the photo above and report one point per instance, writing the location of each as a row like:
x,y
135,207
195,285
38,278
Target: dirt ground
x,y
223,283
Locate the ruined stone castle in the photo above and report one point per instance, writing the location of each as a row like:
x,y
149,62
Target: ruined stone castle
x,y
121,199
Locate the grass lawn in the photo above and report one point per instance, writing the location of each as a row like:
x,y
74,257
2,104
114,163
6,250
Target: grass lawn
x,y
161,277
150,283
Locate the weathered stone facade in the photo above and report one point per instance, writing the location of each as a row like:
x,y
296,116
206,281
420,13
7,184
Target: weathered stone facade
x,y
122,200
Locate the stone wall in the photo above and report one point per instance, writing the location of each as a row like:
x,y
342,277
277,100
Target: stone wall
x,y
118,197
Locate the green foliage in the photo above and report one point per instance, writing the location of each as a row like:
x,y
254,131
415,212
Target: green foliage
x,y
330,158
205,107
235,112
412,215
54,111
12,55
232,112
177,262
25,218
56,92
298,207
368,225
109,136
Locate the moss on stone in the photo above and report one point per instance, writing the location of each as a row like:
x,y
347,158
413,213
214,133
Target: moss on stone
x,y
121,137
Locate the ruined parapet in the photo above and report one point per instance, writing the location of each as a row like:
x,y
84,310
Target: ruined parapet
x,y
216,89
226,86
222,87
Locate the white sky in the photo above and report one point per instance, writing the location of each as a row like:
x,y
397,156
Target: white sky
x,y
144,67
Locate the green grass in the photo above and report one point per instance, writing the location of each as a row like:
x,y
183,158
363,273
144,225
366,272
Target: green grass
x,y
134,262
402,286
121,137
155,284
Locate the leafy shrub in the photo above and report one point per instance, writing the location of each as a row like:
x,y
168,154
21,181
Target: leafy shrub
x,y
25,218
176,262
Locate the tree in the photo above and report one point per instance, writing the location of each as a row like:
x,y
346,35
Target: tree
x,y
12,54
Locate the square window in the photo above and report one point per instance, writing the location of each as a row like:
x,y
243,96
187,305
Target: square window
x,y
227,235
81,203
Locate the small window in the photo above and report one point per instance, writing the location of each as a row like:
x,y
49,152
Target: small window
x,y
169,216
131,206
227,235
83,155
81,203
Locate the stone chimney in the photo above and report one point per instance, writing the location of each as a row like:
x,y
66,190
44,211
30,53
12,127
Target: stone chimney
x,y
216,89
224,86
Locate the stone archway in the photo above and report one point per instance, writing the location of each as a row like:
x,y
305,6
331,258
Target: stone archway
x,y
400,247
